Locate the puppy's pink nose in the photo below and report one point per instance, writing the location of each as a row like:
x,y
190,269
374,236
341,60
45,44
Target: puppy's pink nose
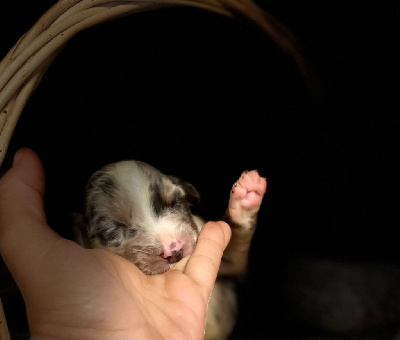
x,y
173,251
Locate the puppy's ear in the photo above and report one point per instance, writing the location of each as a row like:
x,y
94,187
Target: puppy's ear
x,y
192,196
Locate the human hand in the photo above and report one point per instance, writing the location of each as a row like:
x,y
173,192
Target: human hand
x,y
74,292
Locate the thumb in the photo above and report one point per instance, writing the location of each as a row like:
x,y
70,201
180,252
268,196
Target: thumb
x,y
23,228
203,264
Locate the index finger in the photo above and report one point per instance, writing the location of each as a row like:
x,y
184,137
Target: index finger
x,y
203,264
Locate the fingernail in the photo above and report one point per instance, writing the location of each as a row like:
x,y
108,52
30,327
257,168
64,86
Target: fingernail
x,y
19,155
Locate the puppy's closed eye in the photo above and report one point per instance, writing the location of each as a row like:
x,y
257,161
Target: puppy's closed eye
x,y
125,230
120,224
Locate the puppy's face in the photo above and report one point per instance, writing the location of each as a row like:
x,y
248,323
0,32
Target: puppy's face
x,y
141,214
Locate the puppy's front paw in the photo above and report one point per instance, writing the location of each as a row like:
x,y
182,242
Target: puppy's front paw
x,y
246,196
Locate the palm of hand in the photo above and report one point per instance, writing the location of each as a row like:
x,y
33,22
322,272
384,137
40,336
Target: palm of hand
x,y
94,292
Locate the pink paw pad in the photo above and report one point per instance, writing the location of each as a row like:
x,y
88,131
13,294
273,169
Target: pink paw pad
x,y
248,190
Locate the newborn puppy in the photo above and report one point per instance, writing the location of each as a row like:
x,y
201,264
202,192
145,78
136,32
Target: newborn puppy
x,y
135,211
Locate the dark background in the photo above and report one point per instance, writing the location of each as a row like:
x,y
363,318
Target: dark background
x,y
204,97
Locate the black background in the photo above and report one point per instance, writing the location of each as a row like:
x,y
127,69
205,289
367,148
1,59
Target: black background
x,y
204,97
